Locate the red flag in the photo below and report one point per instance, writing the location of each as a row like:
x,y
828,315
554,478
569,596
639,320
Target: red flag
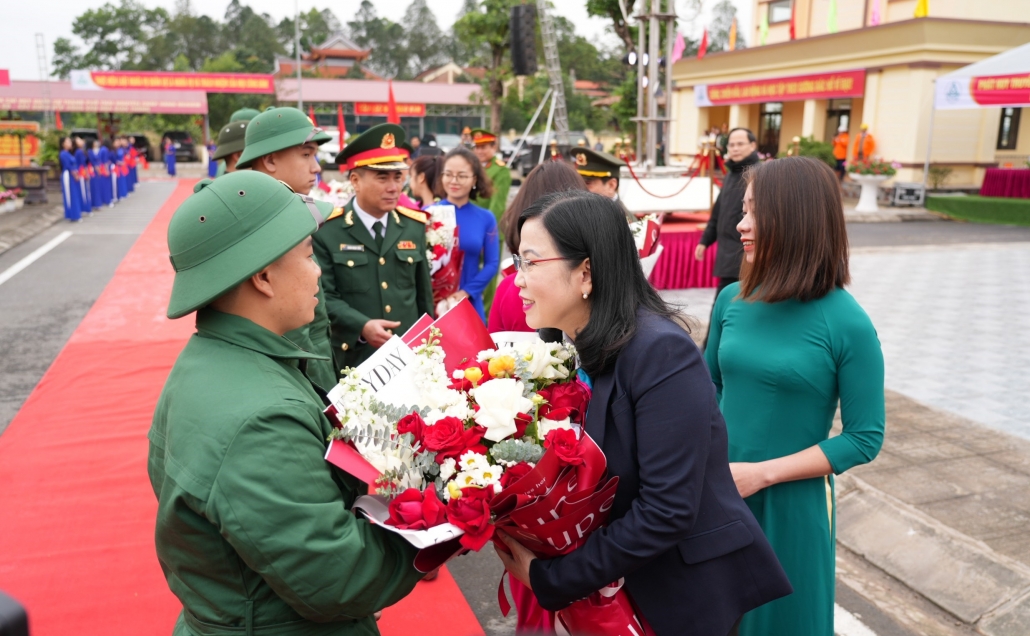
x,y
391,108
701,50
793,22
57,121
341,124
311,115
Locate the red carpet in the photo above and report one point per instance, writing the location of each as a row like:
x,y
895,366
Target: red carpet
x,y
76,507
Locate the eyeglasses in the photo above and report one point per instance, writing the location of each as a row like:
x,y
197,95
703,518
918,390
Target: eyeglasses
x,y
522,264
459,178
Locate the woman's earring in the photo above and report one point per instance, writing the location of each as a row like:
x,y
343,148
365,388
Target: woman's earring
x,y
585,296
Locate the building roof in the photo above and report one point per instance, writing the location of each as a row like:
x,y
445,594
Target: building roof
x,y
351,90
287,67
940,41
31,96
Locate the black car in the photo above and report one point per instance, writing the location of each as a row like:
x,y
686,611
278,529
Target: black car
x,y
529,154
185,150
144,147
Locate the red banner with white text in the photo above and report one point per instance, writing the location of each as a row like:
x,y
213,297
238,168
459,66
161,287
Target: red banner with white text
x,y
379,109
837,85
160,80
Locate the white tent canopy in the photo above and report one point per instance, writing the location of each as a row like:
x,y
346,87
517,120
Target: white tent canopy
x,y
999,81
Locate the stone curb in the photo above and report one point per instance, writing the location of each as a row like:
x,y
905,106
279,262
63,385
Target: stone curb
x,y
30,228
961,575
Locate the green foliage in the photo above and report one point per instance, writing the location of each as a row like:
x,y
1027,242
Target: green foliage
x,y
821,150
116,36
424,40
610,9
723,14
512,451
938,176
384,37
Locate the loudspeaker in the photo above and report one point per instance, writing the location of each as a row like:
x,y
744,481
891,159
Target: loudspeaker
x,y
523,39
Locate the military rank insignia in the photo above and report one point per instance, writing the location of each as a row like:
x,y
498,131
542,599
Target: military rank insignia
x,y
405,245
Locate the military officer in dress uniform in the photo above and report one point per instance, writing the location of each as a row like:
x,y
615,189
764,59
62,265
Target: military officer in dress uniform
x,y
600,170
373,252
283,143
231,140
486,151
254,530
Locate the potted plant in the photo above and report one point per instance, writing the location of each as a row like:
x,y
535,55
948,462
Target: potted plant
x,y
870,173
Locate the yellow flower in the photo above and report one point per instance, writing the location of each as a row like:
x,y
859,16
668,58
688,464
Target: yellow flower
x,y
537,399
502,367
453,490
473,374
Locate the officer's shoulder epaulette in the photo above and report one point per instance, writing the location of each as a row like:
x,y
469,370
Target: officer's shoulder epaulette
x,y
500,162
414,215
335,213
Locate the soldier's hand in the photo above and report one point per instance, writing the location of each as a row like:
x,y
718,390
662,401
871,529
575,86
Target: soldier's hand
x,y
377,331
699,252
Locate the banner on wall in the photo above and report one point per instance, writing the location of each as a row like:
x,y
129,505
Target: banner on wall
x,y
839,85
160,80
380,109
9,144
985,91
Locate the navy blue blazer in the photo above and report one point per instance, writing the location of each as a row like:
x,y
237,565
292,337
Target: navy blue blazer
x,y
693,556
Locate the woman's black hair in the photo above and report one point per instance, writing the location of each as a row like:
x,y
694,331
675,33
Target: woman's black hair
x,y
584,226
484,188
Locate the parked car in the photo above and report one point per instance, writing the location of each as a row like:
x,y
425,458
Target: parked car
x,y
529,155
185,149
327,152
143,146
447,142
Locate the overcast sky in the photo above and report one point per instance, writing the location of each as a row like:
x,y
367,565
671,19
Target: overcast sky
x,y
53,18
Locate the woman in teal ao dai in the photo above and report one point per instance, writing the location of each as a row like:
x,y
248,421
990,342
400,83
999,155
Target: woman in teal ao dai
x,y
787,344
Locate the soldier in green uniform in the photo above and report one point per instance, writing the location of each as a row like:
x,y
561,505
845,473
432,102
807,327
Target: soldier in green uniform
x,y
373,253
254,531
283,143
231,140
600,170
485,147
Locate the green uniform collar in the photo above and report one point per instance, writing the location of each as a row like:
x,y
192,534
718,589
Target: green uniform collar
x,y
241,332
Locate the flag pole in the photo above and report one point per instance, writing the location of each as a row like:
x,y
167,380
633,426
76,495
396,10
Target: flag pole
x,y
929,138
296,50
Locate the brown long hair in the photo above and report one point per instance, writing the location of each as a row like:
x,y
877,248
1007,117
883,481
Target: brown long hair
x,y
801,240
548,177
483,188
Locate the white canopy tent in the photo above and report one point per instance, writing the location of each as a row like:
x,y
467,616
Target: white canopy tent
x,y
1000,81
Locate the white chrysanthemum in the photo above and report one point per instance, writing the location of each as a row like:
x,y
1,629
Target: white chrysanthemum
x,y
448,468
471,461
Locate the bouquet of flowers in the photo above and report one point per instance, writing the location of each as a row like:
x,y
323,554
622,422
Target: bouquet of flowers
x,y
646,231
336,192
443,252
459,445
873,167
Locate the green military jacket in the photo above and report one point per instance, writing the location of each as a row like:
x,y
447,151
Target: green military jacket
x,y
363,282
254,532
500,177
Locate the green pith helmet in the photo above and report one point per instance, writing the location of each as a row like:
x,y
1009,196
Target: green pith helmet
x,y
231,139
244,114
278,129
231,229
591,163
381,147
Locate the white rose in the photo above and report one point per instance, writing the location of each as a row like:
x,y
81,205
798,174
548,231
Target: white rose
x,y
499,402
545,426
540,361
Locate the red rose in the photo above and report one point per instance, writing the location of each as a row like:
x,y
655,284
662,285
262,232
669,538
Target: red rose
x,y
521,422
515,473
574,396
439,251
448,438
471,513
414,510
414,424
564,443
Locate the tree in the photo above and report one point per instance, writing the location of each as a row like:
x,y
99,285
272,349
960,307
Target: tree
x,y
577,52
461,53
315,28
384,37
485,31
723,15
610,9
116,37
424,38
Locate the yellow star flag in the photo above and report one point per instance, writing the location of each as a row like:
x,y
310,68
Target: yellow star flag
x,y
922,9
733,35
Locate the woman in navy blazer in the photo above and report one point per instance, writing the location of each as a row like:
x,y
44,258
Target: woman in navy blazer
x,y
692,555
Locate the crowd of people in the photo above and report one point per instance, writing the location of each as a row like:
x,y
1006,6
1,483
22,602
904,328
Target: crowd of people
x,y
98,174
723,521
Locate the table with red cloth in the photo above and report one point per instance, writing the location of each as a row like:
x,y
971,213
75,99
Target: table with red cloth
x,y
676,267
1006,182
